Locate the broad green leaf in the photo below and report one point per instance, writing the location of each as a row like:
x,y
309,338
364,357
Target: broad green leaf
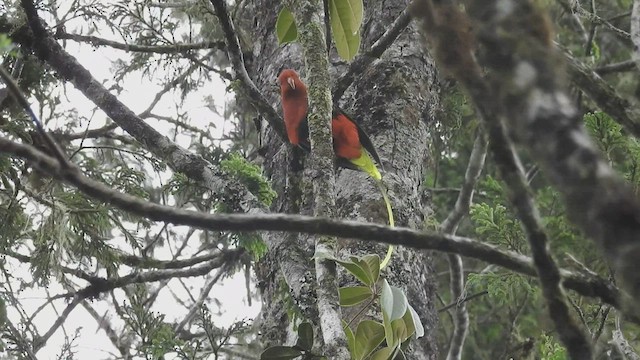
x,y
350,13
408,321
286,29
354,295
305,336
416,325
400,332
344,27
355,267
280,353
382,354
393,301
373,263
369,335
351,338
388,330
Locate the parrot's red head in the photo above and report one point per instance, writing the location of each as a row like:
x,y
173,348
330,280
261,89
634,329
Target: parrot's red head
x,y
290,83
294,104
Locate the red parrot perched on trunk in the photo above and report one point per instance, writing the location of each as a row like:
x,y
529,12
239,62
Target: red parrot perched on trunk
x,y
351,144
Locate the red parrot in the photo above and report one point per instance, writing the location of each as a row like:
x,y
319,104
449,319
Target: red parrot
x,y
351,143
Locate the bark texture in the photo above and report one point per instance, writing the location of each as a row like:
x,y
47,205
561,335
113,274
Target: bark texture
x,y
395,100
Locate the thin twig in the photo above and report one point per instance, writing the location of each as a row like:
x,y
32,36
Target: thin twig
x,y
458,302
204,294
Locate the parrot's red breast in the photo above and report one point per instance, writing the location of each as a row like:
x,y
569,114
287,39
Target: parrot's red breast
x,y
346,142
294,104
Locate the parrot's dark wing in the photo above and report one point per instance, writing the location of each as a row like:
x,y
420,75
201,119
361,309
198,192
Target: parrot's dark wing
x,y
303,135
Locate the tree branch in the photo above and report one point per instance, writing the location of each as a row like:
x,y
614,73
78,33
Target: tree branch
x,y
456,266
157,49
605,96
635,31
572,335
585,284
237,60
627,65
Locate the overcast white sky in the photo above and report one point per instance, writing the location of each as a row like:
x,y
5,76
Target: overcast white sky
x,y
138,94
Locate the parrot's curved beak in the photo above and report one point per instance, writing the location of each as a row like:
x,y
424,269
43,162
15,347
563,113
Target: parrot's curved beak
x,y
291,82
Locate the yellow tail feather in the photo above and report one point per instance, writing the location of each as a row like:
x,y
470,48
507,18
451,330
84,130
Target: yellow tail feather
x,y
367,165
383,191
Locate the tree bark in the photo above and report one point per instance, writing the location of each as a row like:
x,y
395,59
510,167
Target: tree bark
x,y
395,100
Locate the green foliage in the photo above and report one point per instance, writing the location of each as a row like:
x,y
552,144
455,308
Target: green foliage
x,y
251,176
130,181
6,44
502,287
252,242
549,349
157,337
400,322
286,29
345,18
622,150
496,225
302,348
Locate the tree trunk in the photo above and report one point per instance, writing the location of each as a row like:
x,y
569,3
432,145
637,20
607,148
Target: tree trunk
x,y
395,99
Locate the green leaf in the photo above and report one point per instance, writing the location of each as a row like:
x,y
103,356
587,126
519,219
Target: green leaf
x,y
305,336
383,354
346,18
359,269
286,29
280,353
369,335
373,263
351,338
388,330
400,332
416,327
393,301
350,13
353,295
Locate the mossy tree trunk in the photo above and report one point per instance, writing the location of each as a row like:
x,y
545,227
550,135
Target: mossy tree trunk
x,y
395,100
